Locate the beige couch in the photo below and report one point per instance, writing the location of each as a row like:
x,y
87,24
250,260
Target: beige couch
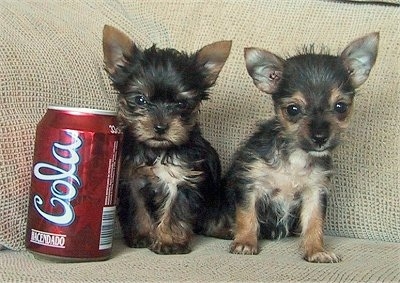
x,y
51,53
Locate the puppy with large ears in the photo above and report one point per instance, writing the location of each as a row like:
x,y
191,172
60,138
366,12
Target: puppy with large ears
x,y
278,182
170,175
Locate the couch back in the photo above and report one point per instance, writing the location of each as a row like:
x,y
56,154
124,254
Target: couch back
x,y
51,53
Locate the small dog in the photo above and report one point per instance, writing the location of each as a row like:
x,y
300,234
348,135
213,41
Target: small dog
x,y
278,182
169,174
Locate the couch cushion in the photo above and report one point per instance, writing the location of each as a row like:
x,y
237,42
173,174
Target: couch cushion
x,y
383,2
50,53
210,261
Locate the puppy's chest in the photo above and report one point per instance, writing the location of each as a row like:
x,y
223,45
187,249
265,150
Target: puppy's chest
x,y
287,180
174,171
168,172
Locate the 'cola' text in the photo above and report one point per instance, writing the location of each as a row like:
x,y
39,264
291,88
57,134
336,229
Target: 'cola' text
x,y
64,181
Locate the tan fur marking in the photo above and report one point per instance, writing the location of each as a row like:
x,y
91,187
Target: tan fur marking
x,y
313,233
169,238
298,99
143,220
178,133
116,46
165,233
312,222
145,172
245,241
337,96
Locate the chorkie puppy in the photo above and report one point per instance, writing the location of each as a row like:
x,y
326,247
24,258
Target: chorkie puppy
x,y
279,179
169,173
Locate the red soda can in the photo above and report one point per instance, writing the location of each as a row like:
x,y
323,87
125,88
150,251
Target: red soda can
x,y
73,194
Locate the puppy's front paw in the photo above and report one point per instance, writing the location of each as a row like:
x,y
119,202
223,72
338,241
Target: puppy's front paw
x,y
244,248
323,257
169,248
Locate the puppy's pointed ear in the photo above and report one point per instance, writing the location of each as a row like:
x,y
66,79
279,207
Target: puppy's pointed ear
x,y
212,58
117,49
359,57
265,68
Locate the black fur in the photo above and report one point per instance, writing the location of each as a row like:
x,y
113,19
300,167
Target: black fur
x,y
277,184
170,174
166,71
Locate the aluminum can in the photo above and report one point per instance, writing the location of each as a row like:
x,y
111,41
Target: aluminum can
x,y
73,194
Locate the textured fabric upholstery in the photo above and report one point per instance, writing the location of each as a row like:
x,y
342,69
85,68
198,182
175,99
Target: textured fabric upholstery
x,y
51,53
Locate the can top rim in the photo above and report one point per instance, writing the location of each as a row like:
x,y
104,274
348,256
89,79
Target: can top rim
x,y
83,110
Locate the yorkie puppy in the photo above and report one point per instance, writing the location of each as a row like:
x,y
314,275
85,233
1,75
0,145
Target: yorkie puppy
x,y
278,182
169,173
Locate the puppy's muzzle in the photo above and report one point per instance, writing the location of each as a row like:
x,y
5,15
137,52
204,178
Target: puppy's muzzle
x,y
319,133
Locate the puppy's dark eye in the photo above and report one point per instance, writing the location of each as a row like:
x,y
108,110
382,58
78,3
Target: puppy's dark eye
x,y
140,100
182,105
293,110
341,107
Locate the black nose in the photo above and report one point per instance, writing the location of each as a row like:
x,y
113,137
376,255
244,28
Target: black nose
x,y
320,132
160,129
320,139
